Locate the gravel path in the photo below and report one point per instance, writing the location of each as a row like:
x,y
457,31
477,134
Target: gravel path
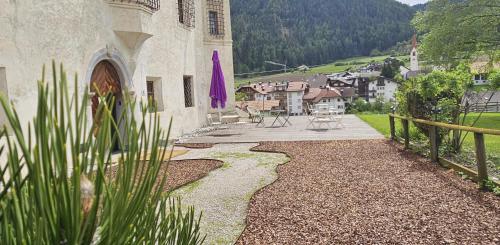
x,y
367,192
195,145
223,195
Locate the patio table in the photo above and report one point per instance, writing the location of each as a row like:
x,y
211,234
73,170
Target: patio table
x,y
281,117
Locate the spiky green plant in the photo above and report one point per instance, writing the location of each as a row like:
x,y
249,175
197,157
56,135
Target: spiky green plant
x,y
55,182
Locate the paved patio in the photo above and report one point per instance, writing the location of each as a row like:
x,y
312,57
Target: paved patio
x,y
355,129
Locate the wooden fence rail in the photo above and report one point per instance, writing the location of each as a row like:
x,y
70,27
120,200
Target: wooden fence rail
x,y
486,107
480,149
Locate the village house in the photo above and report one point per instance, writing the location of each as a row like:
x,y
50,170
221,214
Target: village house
x,y
289,94
162,52
317,80
344,79
383,89
481,67
295,92
330,96
265,91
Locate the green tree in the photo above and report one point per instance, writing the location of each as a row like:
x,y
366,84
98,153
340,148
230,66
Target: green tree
x,y
241,96
308,32
455,30
387,71
360,105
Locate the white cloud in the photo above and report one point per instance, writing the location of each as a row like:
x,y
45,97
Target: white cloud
x,y
413,2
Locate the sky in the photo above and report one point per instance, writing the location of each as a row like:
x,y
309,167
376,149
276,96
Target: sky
x,y
413,2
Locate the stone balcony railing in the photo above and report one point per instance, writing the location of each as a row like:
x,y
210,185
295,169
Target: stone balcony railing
x,y
153,5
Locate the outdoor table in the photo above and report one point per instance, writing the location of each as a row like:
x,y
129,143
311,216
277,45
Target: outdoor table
x,y
281,117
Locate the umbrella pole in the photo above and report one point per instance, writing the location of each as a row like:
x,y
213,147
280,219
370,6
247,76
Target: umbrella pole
x,y
220,114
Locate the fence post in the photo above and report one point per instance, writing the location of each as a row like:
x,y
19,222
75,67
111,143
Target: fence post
x,y
434,138
393,127
406,132
482,171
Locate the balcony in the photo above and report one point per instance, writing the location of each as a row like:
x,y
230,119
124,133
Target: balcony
x,y
152,5
132,21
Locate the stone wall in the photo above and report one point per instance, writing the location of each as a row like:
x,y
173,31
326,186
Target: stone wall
x,y
140,44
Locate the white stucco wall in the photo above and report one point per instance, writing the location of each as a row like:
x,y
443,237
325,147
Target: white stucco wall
x,y
294,101
386,92
414,66
80,33
337,103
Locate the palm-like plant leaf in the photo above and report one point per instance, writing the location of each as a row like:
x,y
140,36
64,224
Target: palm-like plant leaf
x,y
56,186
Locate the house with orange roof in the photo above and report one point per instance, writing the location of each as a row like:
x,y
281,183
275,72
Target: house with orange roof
x,y
325,95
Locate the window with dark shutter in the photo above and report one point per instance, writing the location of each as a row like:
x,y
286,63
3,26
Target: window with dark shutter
x,y
188,91
186,12
216,18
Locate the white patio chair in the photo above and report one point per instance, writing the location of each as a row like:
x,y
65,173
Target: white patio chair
x,y
242,115
322,116
256,116
311,109
338,118
212,122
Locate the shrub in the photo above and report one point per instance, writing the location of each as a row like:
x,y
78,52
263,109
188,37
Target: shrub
x,y
240,96
56,186
494,78
423,96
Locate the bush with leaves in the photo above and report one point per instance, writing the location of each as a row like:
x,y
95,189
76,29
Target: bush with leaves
x,y
494,79
436,96
359,105
56,187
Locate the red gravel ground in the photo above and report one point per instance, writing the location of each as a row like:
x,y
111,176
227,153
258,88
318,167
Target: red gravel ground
x,y
367,192
186,171
183,172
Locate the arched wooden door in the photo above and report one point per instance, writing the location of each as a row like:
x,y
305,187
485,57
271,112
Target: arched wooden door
x,y
105,81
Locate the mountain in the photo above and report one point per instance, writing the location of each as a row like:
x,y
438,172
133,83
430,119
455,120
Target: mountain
x,y
419,7
313,32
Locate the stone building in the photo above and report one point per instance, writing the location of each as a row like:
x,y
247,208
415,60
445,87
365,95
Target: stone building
x,y
152,50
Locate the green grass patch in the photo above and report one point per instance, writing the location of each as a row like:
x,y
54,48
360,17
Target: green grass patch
x,y
488,120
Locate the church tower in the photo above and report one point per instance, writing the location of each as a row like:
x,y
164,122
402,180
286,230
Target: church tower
x,y
414,55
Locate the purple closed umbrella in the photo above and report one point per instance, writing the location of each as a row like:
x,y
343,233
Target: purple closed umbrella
x,y
218,85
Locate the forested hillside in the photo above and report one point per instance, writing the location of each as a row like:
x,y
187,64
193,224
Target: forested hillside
x,y
314,31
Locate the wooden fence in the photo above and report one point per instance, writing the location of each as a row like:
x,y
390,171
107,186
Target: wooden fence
x,y
481,175
486,107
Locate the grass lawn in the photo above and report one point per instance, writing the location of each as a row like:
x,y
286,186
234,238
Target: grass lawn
x,y
488,120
